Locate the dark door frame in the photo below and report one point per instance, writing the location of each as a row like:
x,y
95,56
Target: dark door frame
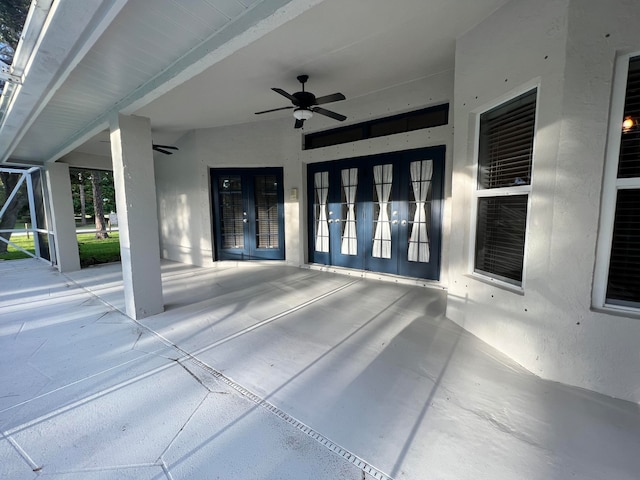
x,y
250,250
398,264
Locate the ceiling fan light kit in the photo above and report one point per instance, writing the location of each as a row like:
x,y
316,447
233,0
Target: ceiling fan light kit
x,y
305,104
302,114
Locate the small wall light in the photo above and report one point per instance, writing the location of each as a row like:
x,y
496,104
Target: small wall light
x,y
627,124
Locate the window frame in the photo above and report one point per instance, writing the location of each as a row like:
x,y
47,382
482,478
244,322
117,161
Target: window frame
x,y
611,184
365,130
478,192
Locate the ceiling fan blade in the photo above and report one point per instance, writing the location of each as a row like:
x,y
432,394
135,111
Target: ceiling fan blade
x,y
299,123
329,113
334,97
166,152
170,147
285,94
274,110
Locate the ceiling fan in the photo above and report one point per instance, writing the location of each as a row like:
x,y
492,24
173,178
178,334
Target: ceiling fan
x,y
158,148
164,148
305,104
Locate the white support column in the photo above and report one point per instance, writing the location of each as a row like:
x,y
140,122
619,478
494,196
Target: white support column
x,y
62,216
135,185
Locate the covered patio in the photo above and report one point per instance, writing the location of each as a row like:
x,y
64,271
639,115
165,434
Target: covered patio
x,y
261,370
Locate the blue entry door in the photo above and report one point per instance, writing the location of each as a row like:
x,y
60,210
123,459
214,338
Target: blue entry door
x,y
380,213
248,206
337,214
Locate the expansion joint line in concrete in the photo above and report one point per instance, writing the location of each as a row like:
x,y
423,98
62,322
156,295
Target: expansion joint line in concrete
x,y
165,469
332,446
323,440
25,456
111,468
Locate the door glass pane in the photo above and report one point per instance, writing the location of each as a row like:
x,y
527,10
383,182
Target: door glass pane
x,y
382,177
232,212
321,187
266,210
419,210
348,211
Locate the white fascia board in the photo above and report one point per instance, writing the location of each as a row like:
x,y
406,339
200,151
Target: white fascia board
x,y
33,25
63,34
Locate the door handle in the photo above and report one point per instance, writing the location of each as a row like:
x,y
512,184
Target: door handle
x,y
404,222
395,222
337,220
330,220
244,220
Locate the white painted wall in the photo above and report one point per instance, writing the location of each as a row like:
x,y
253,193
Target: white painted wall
x,y
568,48
184,191
183,205
183,179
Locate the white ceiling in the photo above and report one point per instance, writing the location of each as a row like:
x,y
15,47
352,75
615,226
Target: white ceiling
x,y
356,47
351,46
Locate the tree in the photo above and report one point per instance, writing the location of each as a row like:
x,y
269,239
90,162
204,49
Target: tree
x,y
98,208
6,53
79,179
83,202
8,182
13,14
82,189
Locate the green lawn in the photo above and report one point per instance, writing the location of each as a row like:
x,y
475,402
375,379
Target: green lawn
x,y
92,251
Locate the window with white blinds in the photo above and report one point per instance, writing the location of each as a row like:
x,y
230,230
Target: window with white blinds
x,y
623,276
505,153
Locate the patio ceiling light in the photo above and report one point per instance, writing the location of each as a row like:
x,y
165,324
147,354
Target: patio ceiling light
x,y
302,114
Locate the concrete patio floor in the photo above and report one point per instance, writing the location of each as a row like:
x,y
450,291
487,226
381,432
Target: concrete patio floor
x,y
274,372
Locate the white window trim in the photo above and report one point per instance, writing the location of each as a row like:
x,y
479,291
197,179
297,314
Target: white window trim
x,y
504,191
610,186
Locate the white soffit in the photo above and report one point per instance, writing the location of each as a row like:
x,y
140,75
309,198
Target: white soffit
x,y
56,36
148,49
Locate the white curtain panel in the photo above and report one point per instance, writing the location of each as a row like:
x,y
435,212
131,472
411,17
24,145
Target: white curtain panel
x,y
349,237
421,172
321,180
383,176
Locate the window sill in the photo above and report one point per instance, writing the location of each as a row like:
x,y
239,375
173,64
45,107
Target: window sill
x,y
497,283
617,311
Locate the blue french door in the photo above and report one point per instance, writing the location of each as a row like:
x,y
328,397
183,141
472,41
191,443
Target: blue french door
x,y
380,213
336,212
248,206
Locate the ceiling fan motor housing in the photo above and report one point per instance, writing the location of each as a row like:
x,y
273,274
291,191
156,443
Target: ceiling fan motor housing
x,y
304,99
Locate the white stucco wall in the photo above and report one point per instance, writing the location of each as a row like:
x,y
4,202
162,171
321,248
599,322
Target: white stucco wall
x,y
566,48
183,179
184,192
182,185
